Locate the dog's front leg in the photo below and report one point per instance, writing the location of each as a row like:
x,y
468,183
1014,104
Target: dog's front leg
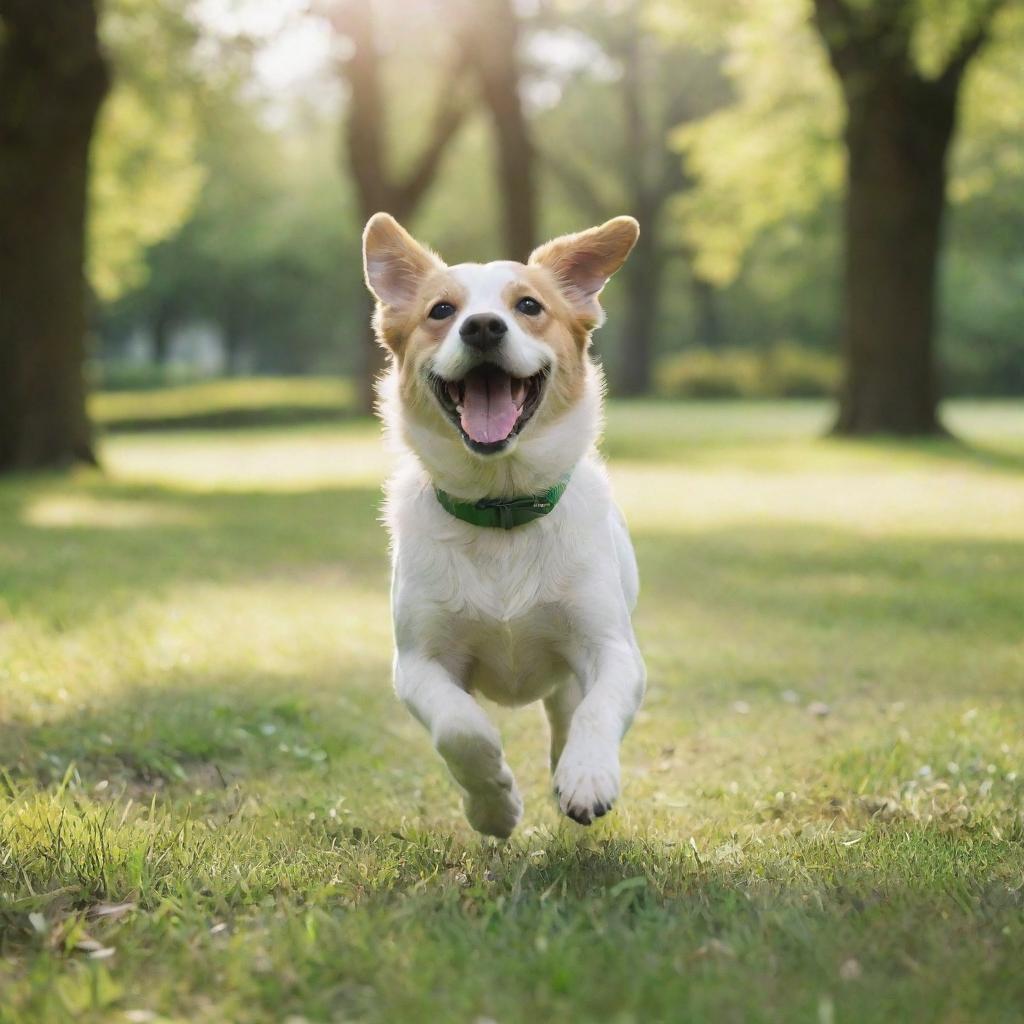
x,y
612,677
465,738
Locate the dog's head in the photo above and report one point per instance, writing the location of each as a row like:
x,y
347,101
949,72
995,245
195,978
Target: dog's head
x,y
490,355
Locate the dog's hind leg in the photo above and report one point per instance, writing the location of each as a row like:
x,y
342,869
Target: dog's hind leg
x,y
560,707
466,739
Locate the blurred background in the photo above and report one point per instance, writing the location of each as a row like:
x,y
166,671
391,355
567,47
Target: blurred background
x,y
831,193
211,807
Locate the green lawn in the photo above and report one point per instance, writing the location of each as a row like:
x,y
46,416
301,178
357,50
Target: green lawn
x,y
213,809
242,402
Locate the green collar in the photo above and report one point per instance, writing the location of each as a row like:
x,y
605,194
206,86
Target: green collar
x,y
504,513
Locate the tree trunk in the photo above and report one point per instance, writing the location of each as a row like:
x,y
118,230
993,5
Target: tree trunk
x,y
233,327
899,125
52,82
162,324
378,186
492,45
897,137
707,328
642,275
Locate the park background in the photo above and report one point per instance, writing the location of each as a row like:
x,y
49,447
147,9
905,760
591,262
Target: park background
x,y
211,807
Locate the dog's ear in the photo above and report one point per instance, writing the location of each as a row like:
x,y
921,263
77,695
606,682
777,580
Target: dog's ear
x,y
394,262
582,263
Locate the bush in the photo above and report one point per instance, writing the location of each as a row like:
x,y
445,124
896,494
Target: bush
x,y
112,375
793,371
701,373
785,370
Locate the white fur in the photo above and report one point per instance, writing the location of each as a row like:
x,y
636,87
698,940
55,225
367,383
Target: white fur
x,y
522,355
539,612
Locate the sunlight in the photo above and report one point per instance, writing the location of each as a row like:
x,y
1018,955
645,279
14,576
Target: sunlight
x,y
278,462
292,48
73,511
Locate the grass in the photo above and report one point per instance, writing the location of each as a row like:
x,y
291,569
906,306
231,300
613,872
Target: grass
x,y
215,404
212,809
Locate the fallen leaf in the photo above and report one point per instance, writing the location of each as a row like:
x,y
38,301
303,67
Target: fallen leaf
x,y
716,947
850,970
113,910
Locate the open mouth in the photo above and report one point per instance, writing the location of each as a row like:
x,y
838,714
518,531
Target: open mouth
x,y
489,406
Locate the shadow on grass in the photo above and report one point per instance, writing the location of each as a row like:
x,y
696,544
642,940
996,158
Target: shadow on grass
x,y
685,448
234,419
951,450
67,553
208,731
387,927
840,579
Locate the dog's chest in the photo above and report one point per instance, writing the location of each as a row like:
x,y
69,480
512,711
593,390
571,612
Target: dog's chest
x,y
497,612
515,661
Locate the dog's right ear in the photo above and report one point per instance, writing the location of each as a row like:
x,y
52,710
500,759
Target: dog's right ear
x,y
394,262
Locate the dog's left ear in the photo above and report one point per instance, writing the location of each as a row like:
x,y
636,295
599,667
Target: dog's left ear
x,y
583,262
394,262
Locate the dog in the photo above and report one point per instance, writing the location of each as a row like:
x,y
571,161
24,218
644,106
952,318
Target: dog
x,y
514,577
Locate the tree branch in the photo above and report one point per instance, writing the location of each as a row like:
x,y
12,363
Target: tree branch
x,y
835,23
578,185
449,116
379,186
879,33
971,44
364,128
833,14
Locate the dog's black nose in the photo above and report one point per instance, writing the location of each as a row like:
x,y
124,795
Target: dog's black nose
x,y
483,331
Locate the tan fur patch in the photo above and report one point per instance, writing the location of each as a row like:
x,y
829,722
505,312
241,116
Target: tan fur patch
x,y
400,329
560,329
412,337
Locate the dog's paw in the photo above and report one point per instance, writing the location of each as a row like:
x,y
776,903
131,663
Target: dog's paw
x,y
586,783
495,807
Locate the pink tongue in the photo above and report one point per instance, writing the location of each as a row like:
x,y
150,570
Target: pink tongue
x,y
488,412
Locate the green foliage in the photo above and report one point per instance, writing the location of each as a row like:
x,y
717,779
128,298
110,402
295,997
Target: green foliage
x,y
770,169
772,155
270,250
782,370
270,253
211,807
145,177
700,373
775,153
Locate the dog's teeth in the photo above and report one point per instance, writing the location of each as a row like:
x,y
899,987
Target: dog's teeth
x,y
458,409
453,390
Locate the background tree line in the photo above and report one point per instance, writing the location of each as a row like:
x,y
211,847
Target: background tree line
x,y
829,190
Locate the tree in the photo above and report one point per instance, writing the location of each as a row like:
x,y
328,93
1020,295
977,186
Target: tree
x,y
259,256
145,176
379,184
874,108
899,123
658,84
53,79
492,48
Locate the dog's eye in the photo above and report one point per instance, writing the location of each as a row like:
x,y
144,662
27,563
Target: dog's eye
x,y
529,306
441,311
